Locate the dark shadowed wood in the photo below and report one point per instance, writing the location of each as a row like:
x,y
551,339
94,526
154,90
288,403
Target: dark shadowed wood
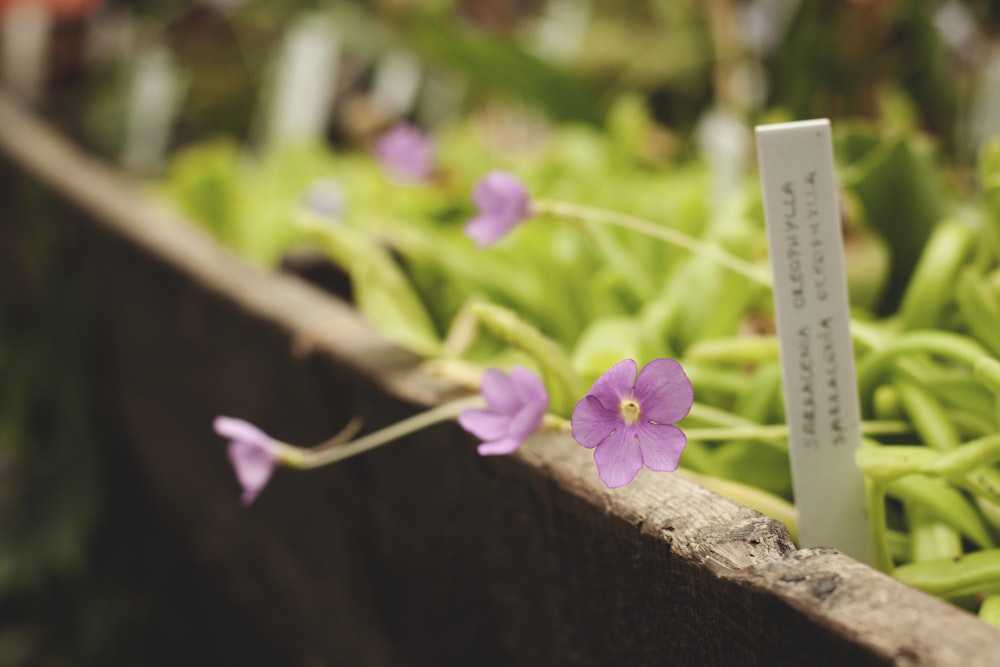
x,y
422,552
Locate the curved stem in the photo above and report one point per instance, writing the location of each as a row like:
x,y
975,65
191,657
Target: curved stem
x,y
883,427
672,236
313,458
860,331
942,343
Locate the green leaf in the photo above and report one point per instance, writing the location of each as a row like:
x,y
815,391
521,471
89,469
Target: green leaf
x,y
381,290
931,287
604,343
886,463
203,182
565,387
895,181
979,309
498,65
943,502
974,573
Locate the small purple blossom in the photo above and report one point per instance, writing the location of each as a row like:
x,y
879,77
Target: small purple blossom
x,y
628,421
251,454
502,202
406,154
517,402
325,198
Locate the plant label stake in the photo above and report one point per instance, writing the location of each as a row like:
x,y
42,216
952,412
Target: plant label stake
x,y
813,322
397,83
561,29
305,83
154,98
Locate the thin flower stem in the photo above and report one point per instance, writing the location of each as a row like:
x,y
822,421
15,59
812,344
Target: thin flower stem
x,y
305,459
860,331
681,240
344,436
882,427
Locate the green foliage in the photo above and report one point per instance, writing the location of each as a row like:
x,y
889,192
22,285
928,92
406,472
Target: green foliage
x,y
901,194
500,66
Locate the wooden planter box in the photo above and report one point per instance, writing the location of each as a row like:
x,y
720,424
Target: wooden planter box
x,y
422,552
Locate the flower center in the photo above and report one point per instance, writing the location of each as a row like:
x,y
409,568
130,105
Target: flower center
x,y
629,410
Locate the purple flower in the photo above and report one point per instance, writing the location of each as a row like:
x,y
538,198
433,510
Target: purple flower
x,y
503,203
250,452
406,154
325,198
628,421
517,403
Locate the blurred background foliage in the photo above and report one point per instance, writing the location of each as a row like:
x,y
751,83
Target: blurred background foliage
x,y
757,58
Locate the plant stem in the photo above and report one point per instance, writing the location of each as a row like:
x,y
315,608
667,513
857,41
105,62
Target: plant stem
x,y
883,427
326,454
860,331
672,236
875,499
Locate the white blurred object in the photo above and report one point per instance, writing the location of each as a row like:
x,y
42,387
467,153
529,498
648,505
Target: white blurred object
x,y
984,115
560,29
748,84
397,83
25,37
763,24
326,199
305,82
958,28
154,99
724,141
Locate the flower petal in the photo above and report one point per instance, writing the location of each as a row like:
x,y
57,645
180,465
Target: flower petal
x,y
498,389
406,153
528,386
502,194
661,445
618,458
486,230
502,202
527,420
253,466
615,384
499,447
244,431
484,424
592,423
664,391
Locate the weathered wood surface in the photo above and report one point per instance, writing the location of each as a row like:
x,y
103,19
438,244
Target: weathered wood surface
x,y
422,552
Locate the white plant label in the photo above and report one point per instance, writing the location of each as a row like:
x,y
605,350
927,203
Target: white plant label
x,y
813,321
397,82
306,82
154,98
